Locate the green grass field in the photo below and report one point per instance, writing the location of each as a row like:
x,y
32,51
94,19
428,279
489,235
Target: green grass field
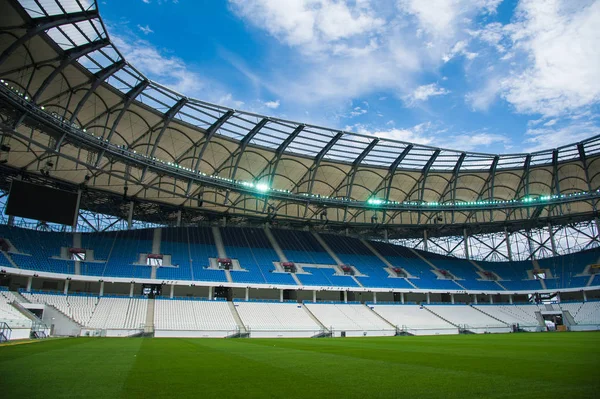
x,y
553,365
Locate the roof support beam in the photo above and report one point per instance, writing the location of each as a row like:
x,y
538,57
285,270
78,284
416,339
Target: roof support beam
x,y
317,161
583,159
279,153
43,24
453,180
555,172
356,165
99,77
244,143
69,56
130,97
425,172
208,135
392,170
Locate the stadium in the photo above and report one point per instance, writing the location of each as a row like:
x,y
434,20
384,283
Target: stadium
x,y
130,210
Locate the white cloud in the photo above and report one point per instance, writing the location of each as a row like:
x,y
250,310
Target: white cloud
x,y
560,38
272,104
422,93
145,29
482,99
551,136
347,49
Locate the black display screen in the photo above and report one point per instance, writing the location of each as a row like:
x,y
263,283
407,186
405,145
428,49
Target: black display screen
x,y
42,203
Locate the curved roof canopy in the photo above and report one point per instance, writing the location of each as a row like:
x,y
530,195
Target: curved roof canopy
x,y
71,100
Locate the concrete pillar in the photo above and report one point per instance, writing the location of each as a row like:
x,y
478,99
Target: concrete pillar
x,y
210,293
510,299
508,247
29,283
280,295
130,216
428,298
466,243
584,296
247,294
345,296
558,297
552,240
171,294
452,298
179,218
374,297
74,225
402,297
475,299
491,299
385,235
314,296
425,239
131,287
66,291
11,220
101,293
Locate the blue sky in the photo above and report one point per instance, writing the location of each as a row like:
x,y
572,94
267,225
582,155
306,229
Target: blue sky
x,y
495,76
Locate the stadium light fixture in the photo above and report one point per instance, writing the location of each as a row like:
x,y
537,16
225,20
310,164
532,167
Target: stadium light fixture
x,y
262,187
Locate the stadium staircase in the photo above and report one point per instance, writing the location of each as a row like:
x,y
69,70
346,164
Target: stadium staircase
x,y
489,315
149,325
383,319
568,319
13,264
275,245
326,247
591,280
219,242
325,332
243,331
461,330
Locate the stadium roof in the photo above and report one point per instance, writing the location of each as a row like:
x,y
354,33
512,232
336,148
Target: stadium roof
x,y
86,115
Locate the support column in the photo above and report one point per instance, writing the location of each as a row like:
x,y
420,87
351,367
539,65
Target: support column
x,y
425,239
385,235
474,299
29,283
491,299
508,248
584,296
247,294
402,297
552,240
171,294
314,296
530,245
66,290
558,297
466,243
11,220
179,218
345,296
280,295
131,287
130,216
428,298
74,225
510,299
374,297
452,298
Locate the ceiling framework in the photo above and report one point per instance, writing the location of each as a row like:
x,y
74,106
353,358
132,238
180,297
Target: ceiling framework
x,y
69,98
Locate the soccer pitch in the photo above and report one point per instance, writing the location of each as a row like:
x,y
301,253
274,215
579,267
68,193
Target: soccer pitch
x,y
552,365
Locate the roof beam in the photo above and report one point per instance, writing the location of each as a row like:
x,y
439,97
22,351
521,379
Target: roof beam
x,y
583,159
208,135
392,170
454,178
317,161
555,172
129,98
425,172
68,57
41,25
169,115
356,164
244,143
99,77
279,152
